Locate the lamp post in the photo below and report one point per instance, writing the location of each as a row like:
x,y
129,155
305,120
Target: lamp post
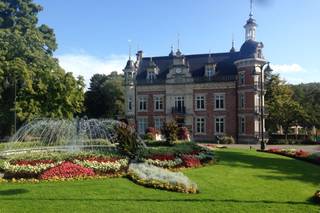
x,y
262,68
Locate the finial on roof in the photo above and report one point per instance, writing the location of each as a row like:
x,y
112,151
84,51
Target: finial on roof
x,y
233,49
129,43
251,8
171,52
178,41
210,58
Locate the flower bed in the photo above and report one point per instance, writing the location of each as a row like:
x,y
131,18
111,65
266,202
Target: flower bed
x,y
195,158
155,177
297,154
66,170
26,168
104,166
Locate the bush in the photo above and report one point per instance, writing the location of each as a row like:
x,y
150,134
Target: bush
x,y
170,130
227,140
183,133
127,140
149,137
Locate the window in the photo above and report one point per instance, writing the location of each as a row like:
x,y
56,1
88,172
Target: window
x,y
210,72
179,103
200,102
142,125
130,104
219,125
242,125
241,100
143,103
219,101
158,122
158,103
151,76
241,78
200,125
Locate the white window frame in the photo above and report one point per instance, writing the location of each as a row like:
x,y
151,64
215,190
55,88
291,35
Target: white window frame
x,y
242,100
200,98
142,125
217,125
217,97
158,122
242,125
140,100
201,123
130,103
160,100
242,78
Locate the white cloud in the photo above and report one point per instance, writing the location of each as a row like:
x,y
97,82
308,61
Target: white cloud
x,y
287,68
87,65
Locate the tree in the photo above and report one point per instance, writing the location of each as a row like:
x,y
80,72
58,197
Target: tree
x,y
32,83
105,97
308,95
282,108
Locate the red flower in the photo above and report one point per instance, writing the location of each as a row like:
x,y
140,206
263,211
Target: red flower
x,y
32,162
66,170
162,157
190,161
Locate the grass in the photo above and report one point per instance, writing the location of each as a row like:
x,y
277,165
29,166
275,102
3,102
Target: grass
x,y
243,181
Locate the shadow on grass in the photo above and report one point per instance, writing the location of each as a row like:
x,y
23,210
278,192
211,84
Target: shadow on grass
x,y
9,192
278,165
163,200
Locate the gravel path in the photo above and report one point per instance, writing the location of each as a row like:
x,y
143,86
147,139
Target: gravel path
x,y
308,148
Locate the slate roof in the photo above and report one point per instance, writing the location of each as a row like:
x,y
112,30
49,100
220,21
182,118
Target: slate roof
x,y
224,62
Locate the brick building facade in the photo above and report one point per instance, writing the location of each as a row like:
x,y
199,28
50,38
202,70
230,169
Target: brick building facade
x,y
211,94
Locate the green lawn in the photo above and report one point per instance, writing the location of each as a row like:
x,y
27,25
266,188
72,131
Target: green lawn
x,y
243,181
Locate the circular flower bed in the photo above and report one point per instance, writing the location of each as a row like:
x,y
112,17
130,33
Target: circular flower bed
x,y
147,169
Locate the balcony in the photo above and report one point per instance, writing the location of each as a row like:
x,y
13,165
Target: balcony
x,y
179,110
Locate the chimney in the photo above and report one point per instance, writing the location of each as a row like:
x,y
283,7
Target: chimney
x,y
139,55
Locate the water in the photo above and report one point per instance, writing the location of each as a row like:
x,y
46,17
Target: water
x,y
67,135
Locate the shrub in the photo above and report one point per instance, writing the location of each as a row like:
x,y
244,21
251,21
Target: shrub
x,y
183,133
155,177
149,137
127,140
66,170
317,196
170,130
227,140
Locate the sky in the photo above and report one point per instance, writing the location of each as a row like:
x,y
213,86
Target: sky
x,y
93,36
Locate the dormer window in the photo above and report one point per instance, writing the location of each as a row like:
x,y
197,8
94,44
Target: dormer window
x,y
210,70
151,76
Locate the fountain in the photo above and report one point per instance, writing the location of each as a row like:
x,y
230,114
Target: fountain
x,y
79,134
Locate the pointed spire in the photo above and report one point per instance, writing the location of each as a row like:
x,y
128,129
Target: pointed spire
x,y
233,49
171,52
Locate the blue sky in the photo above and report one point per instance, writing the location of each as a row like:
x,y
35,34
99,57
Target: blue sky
x,y
93,35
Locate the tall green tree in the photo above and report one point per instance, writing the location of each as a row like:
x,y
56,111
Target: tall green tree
x,y
282,109
32,83
105,97
308,95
